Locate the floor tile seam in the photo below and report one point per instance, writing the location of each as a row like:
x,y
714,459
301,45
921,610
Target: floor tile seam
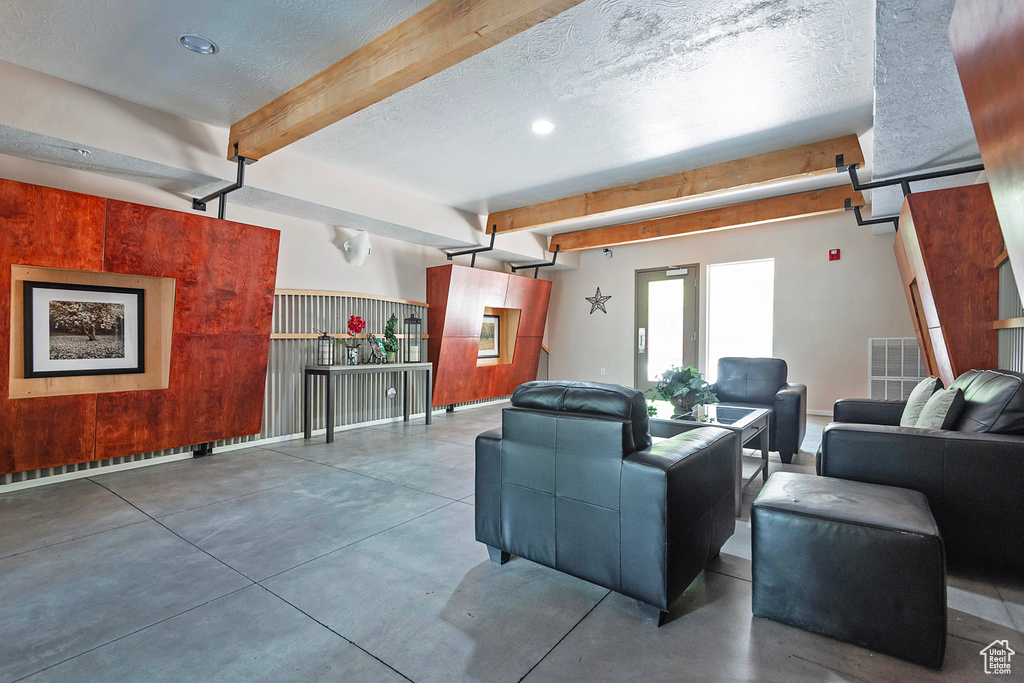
x,y
77,538
405,486
138,630
350,544
731,576
347,640
164,515
175,533
390,457
566,635
839,672
1013,620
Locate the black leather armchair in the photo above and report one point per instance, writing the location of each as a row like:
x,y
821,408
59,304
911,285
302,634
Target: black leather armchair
x,y
973,476
761,383
573,481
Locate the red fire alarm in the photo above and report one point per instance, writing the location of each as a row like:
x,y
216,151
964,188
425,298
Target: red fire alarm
x,y
833,254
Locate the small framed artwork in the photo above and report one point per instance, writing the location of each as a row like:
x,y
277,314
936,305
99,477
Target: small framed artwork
x,y
73,330
490,333
376,347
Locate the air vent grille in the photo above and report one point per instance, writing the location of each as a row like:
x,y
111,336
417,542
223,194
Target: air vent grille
x,y
895,367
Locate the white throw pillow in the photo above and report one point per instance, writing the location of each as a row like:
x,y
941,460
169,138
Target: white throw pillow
x,y
942,410
917,399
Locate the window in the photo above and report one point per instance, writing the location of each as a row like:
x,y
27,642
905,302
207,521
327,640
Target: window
x,y
741,311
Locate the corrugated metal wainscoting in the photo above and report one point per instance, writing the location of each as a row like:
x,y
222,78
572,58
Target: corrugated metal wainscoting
x,y
1011,341
359,399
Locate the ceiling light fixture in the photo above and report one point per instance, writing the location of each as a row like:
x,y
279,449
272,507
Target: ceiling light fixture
x,y
198,44
542,127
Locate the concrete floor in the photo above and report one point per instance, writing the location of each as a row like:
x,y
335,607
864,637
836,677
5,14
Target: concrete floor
x,y
356,561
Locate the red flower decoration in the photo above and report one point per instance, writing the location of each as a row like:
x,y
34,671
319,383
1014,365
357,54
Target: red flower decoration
x,y
356,324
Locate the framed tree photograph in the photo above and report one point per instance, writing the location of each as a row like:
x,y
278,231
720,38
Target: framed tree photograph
x,y
73,330
490,333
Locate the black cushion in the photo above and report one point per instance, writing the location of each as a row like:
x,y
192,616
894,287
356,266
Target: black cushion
x,y
592,398
750,380
994,401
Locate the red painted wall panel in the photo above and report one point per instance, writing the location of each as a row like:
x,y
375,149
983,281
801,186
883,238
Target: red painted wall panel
x,y
457,297
45,227
225,274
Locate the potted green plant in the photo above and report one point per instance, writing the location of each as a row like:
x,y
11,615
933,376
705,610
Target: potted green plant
x,y
390,340
684,388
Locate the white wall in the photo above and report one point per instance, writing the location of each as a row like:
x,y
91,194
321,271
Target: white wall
x,y
824,311
310,255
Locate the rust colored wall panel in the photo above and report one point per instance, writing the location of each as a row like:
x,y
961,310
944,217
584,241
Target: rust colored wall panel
x,y
531,297
988,45
225,275
163,418
226,401
51,431
457,297
471,291
57,229
221,267
946,247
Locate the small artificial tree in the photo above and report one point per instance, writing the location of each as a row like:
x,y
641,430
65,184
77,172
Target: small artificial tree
x,y
390,340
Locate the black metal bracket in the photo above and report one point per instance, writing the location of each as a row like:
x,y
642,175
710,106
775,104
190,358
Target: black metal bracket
x,y
537,266
203,450
848,206
902,181
475,250
200,204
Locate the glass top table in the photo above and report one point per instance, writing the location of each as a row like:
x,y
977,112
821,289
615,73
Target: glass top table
x,y
748,422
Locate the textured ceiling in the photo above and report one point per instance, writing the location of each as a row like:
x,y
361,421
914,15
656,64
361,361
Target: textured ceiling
x,y
921,116
636,89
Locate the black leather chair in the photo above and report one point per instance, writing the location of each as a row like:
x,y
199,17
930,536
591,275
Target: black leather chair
x,y
973,476
573,481
761,383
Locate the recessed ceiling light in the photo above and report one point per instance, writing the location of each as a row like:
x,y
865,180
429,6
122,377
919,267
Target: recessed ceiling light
x,y
203,46
542,127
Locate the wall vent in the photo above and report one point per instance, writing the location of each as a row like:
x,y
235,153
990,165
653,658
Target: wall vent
x,y
895,367
1011,340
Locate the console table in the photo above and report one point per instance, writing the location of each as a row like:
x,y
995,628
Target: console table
x,y
332,371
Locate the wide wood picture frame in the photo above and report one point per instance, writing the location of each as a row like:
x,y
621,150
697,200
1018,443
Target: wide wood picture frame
x,y
74,330
490,337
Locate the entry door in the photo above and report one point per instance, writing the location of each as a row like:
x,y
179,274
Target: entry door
x,y
666,322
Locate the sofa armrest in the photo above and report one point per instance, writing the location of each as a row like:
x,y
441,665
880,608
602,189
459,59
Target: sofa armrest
x,y
884,454
488,488
790,418
666,492
871,411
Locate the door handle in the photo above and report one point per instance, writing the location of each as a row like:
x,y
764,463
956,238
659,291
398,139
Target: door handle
x,y
641,341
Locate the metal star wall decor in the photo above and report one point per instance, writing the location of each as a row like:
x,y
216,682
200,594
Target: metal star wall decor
x,y
597,302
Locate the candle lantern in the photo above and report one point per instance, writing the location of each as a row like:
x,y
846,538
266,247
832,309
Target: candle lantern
x,y
413,339
324,349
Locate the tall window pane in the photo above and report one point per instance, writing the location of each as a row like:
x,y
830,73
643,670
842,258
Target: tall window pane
x,y
741,301
665,326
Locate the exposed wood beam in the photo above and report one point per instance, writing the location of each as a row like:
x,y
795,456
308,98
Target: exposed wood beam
x,y
817,158
749,213
442,35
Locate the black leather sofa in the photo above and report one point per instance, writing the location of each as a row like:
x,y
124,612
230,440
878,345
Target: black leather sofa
x,y
973,476
762,383
572,481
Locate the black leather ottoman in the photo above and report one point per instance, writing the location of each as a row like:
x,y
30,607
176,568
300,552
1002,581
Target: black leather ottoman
x,y
859,562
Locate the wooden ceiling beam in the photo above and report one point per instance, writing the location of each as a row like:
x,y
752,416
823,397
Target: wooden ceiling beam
x,y
817,158
442,35
749,213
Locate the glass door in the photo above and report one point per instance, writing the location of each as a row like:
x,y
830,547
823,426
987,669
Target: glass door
x,y
666,322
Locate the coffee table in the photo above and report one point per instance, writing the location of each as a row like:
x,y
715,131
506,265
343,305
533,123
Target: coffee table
x,y
748,422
